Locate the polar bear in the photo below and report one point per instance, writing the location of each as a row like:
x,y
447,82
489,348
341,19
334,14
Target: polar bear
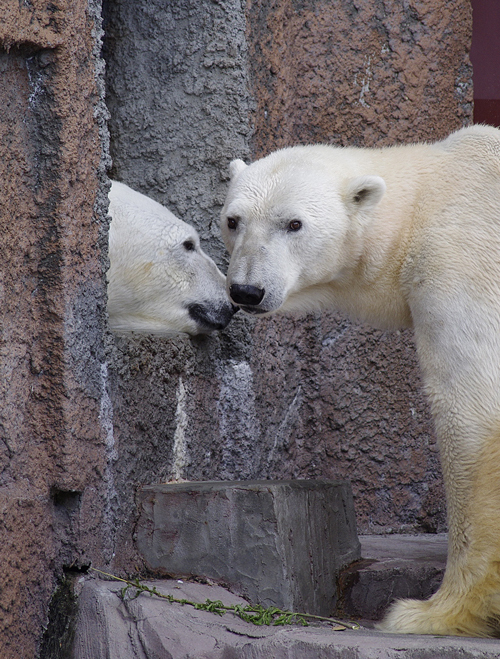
x,y
406,236
159,279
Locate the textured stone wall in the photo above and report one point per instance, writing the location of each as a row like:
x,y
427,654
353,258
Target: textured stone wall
x,y
177,92
53,458
191,86
358,72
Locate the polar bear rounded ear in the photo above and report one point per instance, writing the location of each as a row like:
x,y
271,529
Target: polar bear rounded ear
x,y
364,192
236,167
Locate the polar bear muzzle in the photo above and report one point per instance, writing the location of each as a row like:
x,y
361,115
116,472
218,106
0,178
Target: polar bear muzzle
x,y
209,317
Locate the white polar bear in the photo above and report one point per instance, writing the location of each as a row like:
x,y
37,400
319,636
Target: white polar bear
x,y
159,280
406,236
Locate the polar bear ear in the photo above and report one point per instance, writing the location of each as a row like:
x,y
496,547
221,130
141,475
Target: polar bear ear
x,y
364,192
236,167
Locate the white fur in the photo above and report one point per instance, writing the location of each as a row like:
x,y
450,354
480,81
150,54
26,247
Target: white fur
x,y
405,236
155,284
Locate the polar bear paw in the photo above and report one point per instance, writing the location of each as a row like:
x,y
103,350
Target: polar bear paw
x,y
435,617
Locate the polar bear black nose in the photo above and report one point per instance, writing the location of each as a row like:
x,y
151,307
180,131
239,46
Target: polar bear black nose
x,y
246,295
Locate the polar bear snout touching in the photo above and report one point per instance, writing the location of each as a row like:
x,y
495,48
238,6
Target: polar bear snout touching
x,y
160,281
405,236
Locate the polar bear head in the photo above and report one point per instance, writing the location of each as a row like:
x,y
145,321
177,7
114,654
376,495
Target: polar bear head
x,y
159,280
293,222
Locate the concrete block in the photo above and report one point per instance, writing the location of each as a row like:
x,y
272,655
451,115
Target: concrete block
x,y
280,543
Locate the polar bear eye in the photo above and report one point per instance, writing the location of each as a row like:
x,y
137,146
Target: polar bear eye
x,y
232,223
189,245
294,225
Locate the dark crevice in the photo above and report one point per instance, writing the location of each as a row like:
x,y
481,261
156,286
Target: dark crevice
x,y
57,640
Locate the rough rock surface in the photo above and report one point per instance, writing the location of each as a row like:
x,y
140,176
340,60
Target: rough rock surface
x,y
53,396
358,73
147,627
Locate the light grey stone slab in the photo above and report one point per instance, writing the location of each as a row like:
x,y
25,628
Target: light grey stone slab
x,y
151,628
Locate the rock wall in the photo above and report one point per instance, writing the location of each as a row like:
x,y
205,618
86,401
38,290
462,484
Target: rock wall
x,y
191,86
53,458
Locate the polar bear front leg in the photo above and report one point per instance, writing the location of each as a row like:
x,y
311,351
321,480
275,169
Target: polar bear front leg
x,y
460,368
468,601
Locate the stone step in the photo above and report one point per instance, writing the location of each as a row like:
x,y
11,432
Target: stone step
x,y
253,537
110,628
392,567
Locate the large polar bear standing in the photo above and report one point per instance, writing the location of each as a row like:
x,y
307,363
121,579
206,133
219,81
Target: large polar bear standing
x,y
406,236
159,280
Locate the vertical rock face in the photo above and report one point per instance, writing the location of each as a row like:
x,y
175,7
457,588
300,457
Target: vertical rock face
x,y
191,87
358,72
177,91
52,301
365,74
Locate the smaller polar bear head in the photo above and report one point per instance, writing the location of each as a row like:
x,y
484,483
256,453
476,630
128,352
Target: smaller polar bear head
x,y
159,280
292,222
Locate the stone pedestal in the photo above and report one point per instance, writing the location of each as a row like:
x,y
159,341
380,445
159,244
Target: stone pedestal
x,y
278,543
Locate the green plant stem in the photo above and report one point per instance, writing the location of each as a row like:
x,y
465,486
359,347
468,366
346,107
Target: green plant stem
x,y
255,614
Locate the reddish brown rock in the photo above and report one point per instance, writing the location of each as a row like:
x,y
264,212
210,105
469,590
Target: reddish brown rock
x,y
52,442
358,72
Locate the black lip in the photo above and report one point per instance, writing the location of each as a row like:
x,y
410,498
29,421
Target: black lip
x,y
210,318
